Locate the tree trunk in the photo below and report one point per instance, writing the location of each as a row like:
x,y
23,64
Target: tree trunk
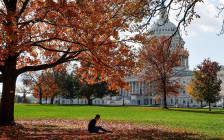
x,y
52,100
201,104
164,94
46,100
89,101
24,97
8,92
59,99
40,97
209,106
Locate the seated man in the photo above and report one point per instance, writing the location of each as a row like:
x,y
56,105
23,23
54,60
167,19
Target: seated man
x,y
93,128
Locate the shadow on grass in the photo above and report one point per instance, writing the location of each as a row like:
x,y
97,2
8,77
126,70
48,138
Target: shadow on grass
x,y
65,129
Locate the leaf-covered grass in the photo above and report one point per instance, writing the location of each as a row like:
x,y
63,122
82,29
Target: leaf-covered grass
x,y
179,119
76,129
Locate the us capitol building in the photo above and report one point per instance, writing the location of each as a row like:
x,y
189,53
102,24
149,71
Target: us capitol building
x,y
136,96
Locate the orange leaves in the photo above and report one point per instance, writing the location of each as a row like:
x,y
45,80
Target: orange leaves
x,y
45,86
84,31
77,129
157,60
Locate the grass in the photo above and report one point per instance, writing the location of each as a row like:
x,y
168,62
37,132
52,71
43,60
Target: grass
x,y
190,120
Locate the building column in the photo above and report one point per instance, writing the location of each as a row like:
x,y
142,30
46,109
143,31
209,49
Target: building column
x,y
187,62
139,84
131,87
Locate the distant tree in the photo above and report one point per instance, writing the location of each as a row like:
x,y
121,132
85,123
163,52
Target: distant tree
x,y
47,85
70,87
18,99
156,62
93,91
37,82
207,82
193,90
26,88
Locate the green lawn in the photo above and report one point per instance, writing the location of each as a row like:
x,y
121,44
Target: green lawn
x,y
192,120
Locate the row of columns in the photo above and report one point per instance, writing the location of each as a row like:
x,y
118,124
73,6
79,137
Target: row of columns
x,y
136,87
185,62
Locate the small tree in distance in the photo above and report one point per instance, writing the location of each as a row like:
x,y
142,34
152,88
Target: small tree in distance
x,y
192,90
206,85
157,60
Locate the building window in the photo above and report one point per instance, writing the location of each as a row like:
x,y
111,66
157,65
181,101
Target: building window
x,y
184,101
137,88
95,101
171,101
102,101
138,102
191,101
184,82
165,29
150,101
134,87
184,92
176,101
146,101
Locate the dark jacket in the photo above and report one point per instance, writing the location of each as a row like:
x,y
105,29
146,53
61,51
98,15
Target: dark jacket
x,y
92,124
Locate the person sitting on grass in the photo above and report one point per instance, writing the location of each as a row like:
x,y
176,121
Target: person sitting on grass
x,y
93,128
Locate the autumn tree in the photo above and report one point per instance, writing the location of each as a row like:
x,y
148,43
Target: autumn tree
x,y
157,61
36,85
193,89
37,35
49,88
48,84
206,82
70,86
93,91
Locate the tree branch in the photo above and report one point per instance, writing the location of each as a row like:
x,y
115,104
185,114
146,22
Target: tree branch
x,y
6,4
41,46
24,7
61,60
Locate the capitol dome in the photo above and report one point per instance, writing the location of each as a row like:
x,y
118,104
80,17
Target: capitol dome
x,y
164,27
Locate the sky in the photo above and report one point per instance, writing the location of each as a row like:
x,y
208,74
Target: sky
x,y
202,40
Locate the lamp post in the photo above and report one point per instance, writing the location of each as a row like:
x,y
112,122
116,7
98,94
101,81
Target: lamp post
x,y
187,98
222,101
